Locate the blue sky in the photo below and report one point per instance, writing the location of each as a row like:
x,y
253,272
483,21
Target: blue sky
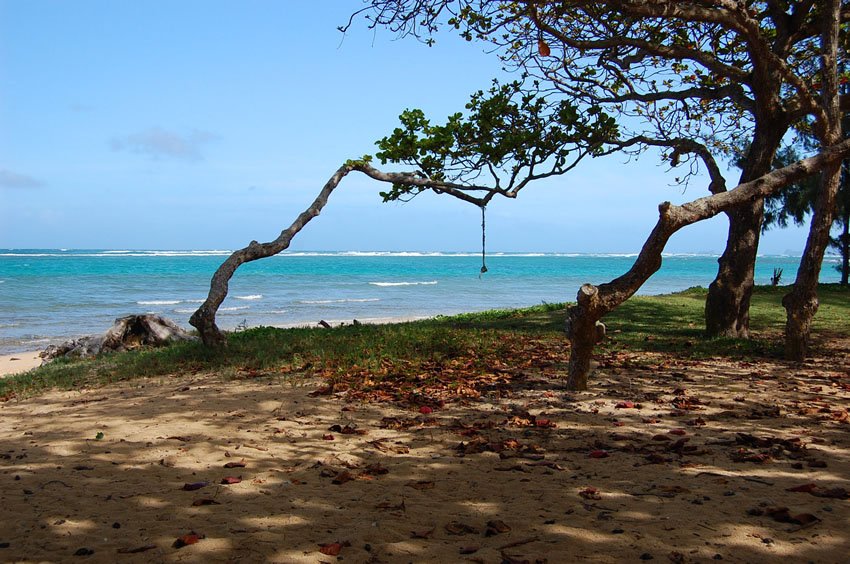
x,y
206,124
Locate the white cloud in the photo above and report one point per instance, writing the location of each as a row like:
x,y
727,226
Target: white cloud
x,y
10,179
160,143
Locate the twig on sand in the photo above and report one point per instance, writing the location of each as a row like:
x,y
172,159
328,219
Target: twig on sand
x,y
518,543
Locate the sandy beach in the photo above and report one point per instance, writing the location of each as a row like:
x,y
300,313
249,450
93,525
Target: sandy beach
x,y
19,362
682,461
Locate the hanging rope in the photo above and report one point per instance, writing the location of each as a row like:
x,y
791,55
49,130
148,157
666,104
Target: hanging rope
x,y
483,243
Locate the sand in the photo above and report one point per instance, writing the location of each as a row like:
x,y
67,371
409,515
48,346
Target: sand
x,y
19,362
532,473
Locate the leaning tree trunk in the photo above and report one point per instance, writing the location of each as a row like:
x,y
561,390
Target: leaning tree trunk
x,y
844,244
204,318
801,303
727,306
595,302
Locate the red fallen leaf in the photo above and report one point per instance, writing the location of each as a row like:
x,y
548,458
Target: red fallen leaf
x,y
230,480
618,424
543,48
327,437
817,491
235,465
544,423
186,540
599,453
331,549
425,410
190,487
625,405
679,432
590,493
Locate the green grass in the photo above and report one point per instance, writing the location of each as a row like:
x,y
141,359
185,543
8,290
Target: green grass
x,y
666,324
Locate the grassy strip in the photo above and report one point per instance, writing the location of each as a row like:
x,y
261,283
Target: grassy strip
x,y
470,342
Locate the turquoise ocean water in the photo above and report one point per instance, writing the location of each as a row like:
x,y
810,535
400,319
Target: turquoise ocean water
x,y
47,296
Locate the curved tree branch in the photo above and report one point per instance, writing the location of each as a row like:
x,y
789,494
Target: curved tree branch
x,y
204,318
593,302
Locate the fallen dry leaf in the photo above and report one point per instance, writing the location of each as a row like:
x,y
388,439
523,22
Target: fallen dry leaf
x,y
421,485
422,534
190,487
204,501
187,539
458,528
342,477
590,493
331,549
496,527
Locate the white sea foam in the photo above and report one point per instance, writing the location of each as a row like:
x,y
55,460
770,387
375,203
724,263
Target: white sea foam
x,y
251,297
183,310
388,284
234,308
351,300
158,302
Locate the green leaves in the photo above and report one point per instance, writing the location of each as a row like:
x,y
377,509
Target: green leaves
x,y
506,134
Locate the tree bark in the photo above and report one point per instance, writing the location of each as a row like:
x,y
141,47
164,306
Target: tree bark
x,y
801,303
595,302
844,242
204,318
727,306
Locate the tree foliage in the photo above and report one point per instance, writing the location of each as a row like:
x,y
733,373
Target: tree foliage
x,y
667,70
509,136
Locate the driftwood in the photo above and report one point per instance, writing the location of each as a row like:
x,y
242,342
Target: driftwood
x,y
130,332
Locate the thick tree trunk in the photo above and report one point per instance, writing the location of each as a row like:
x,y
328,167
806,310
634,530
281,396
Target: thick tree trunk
x,y
845,250
727,307
595,302
204,318
801,303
